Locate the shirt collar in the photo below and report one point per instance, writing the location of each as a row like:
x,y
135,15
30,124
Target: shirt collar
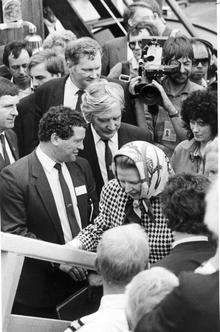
x,y
193,238
113,300
71,85
168,88
97,138
45,160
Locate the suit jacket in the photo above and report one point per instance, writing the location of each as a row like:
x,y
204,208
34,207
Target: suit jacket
x,y
28,209
187,256
126,133
25,125
12,141
114,51
191,307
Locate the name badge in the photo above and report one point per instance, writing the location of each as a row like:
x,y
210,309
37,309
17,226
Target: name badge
x,y
80,190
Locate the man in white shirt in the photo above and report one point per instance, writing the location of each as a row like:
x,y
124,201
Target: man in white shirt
x,y
83,57
122,253
49,195
103,106
8,113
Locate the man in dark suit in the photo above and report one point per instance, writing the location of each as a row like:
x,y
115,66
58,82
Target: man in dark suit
x,y
49,195
102,106
194,305
43,66
8,113
183,202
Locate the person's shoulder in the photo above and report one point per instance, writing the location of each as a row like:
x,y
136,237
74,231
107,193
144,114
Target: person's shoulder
x,y
51,84
82,162
26,100
114,41
133,129
184,145
194,86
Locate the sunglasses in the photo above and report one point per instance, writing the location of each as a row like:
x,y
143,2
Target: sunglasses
x,y
133,44
203,61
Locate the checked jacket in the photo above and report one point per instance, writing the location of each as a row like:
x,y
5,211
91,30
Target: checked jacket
x,y
112,213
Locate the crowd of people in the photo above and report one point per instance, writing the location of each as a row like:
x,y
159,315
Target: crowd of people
x,y
87,162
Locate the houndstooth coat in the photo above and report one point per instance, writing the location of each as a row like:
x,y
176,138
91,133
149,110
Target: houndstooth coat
x,y
112,213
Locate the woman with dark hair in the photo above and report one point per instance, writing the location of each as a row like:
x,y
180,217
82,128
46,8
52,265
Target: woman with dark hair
x,y
199,113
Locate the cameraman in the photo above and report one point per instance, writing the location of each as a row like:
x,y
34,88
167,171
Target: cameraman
x,y
164,119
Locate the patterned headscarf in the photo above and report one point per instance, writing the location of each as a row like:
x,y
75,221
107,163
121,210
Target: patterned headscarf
x,y
152,164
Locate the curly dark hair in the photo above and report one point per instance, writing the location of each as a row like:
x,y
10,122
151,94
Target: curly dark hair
x,y
176,48
183,203
14,48
59,120
201,104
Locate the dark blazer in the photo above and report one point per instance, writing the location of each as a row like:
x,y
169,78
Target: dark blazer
x,y
126,133
191,307
12,141
28,209
187,256
114,51
25,125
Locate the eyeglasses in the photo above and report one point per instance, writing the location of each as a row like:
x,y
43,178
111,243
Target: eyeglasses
x,y
203,61
133,44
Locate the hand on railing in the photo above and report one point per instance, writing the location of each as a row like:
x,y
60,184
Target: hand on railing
x,y
77,273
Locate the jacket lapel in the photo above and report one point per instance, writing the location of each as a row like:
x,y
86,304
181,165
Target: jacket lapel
x,y
58,93
45,194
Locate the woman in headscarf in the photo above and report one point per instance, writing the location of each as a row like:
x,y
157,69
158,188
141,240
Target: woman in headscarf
x,y
142,171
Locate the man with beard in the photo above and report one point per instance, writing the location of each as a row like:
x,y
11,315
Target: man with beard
x,y
16,57
165,118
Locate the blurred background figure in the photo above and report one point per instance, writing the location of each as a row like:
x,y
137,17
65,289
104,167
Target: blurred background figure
x,y
122,253
145,291
199,113
57,41
201,62
136,33
16,58
211,155
51,22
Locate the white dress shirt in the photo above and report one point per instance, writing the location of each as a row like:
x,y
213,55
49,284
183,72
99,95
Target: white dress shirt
x,y
100,150
70,94
8,150
110,316
53,179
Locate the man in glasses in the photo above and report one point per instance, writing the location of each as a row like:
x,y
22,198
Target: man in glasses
x,y
16,57
165,118
200,62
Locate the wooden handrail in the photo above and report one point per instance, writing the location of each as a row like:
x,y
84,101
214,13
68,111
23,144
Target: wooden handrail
x,y
14,249
46,251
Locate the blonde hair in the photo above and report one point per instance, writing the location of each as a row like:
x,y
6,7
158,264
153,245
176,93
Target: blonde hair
x,y
99,97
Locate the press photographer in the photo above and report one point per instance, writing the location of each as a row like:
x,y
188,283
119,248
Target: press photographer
x,y
167,95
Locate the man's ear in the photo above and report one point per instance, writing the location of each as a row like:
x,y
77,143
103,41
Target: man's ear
x,y
55,139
